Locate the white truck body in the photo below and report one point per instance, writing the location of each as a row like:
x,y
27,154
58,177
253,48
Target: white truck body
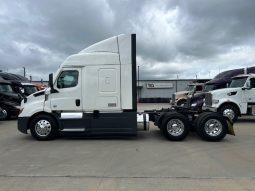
x,y
98,82
94,93
237,100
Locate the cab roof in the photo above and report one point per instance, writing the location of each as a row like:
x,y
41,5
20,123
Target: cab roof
x,y
244,75
4,81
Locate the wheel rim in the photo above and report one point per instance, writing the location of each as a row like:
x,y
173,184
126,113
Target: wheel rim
x,y
43,128
175,127
4,113
229,113
213,127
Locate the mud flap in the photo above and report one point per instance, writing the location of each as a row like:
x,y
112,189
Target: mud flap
x,y
230,127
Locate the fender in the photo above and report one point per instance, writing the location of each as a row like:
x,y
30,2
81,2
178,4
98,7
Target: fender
x,y
241,106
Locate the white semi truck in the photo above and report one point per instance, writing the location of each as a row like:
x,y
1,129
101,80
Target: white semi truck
x,y
235,101
94,93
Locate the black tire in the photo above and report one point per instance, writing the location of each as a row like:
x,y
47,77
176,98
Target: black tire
x,y
182,102
51,129
211,126
229,111
169,123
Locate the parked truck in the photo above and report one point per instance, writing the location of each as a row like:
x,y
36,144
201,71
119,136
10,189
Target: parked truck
x,y
93,93
20,84
180,98
220,81
235,101
9,100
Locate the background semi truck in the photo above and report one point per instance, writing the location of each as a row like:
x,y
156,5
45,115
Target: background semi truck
x,y
20,84
237,100
180,98
94,93
222,80
9,100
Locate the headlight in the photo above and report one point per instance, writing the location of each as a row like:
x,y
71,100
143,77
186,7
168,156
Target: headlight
x,y
193,104
17,107
215,101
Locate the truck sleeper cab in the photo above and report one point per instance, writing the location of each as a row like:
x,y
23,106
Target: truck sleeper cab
x,y
93,92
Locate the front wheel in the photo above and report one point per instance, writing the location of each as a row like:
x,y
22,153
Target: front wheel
x,y
43,127
182,102
175,126
211,126
229,111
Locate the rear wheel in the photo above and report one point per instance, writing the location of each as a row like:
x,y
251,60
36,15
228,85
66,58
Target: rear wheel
x,y
229,111
175,126
211,126
44,127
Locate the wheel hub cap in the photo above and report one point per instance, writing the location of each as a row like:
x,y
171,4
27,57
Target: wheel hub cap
x,y
43,128
4,114
213,127
229,113
175,127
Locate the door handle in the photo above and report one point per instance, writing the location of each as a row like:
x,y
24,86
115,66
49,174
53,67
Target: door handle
x,y
78,102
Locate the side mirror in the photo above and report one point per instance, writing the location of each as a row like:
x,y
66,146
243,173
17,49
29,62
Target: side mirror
x,y
51,80
52,90
247,86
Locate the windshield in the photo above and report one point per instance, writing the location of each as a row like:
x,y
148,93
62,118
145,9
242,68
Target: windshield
x,y
209,87
5,88
30,89
238,82
190,87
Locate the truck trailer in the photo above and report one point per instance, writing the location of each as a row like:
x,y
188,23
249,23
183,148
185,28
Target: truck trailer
x,y
93,93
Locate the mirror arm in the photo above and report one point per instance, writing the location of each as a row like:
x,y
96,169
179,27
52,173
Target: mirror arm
x,y
52,90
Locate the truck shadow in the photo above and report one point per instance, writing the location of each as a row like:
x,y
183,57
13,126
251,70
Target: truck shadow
x,y
246,120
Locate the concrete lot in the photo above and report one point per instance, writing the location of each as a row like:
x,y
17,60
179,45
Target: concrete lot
x,y
146,162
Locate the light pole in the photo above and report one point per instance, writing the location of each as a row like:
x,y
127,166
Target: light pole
x,y
138,84
24,69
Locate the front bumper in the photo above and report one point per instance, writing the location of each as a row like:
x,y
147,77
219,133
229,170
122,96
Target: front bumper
x,y
207,108
23,124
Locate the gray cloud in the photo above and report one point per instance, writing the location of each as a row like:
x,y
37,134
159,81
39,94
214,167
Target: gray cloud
x,y
184,38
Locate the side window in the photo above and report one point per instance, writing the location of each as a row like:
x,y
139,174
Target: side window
x,y
252,80
199,88
68,79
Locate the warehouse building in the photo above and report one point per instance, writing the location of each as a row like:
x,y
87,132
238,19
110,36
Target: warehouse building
x,y
156,91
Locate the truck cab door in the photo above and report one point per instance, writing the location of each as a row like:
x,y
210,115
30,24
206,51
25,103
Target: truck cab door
x,y
249,94
68,94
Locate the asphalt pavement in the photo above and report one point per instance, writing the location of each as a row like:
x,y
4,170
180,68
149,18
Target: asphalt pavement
x,y
146,162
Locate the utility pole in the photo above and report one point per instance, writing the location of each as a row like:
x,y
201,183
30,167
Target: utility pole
x,y
24,69
138,84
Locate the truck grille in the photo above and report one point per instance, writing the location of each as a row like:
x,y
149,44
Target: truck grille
x,y
208,99
173,98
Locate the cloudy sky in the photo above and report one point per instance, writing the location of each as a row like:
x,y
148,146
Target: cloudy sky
x,y
184,38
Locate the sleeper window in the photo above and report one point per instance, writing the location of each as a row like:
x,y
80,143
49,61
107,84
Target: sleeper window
x,y
68,79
